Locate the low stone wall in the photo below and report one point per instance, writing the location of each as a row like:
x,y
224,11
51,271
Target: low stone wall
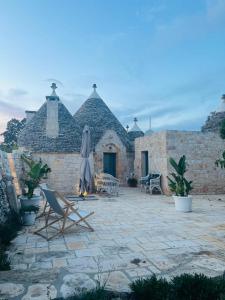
x,y
201,150
65,168
8,199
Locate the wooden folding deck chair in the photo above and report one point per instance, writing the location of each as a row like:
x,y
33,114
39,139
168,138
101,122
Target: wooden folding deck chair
x,y
62,214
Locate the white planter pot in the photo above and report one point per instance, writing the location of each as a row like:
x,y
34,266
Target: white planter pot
x,y
183,204
28,218
34,201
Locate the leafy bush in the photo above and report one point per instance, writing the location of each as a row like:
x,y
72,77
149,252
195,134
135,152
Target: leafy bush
x,y
179,184
4,261
183,287
151,289
132,182
221,162
197,287
37,171
8,232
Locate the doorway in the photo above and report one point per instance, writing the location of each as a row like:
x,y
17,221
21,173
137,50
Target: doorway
x,y
109,163
144,163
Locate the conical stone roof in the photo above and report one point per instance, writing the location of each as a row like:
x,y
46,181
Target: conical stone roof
x,y
33,137
96,114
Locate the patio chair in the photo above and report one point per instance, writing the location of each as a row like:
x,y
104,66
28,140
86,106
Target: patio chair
x,y
107,183
65,213
151,182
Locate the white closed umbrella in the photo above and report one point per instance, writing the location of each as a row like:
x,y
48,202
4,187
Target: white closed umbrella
x,y
85,170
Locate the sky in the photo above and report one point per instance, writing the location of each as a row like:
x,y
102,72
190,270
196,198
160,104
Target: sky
x,y
164,58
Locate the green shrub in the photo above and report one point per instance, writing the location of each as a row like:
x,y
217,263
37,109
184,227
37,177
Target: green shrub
x,y
151,289
197,287
9,230
183,287
4,261
178,184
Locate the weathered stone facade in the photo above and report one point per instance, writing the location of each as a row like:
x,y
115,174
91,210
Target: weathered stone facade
x,y
8,198
65,174
111,143
201,150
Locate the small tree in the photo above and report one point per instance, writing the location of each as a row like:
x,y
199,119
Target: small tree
x,y
11,134
178,184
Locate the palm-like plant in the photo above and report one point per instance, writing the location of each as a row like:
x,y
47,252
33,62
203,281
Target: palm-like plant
x,y
37,171
221,162
178,184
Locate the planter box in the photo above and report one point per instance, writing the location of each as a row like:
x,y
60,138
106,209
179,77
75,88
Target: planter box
x,y
34,201
183,204
29,218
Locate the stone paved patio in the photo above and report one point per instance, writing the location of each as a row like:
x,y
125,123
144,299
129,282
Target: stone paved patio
x,y
135,235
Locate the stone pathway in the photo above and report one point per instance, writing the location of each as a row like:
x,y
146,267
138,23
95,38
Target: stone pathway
x,y
135,235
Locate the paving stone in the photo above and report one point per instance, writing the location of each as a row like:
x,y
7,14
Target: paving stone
x,y
10,290
210,263
19,267
75,284
88,252
82,264
59,262
40,292
76,245
114,281
138,272
41,265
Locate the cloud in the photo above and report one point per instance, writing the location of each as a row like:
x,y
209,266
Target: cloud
x,y
15,93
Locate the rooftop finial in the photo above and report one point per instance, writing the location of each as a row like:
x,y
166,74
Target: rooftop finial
x,y
94,86
135,120
127,127
150,122
54,87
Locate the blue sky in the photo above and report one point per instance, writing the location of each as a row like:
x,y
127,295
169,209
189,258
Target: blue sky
x,y
160,58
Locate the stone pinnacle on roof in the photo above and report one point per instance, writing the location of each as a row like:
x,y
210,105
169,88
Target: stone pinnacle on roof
x,y
135,127
54,87
149,131
94,94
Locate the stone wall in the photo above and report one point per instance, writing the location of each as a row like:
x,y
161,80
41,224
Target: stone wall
x,y
111,143
155,144
201,150
7,200
65,168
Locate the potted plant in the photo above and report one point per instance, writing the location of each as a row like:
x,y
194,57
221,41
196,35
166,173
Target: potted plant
x,y
180,186
31,179
132,181
28,214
